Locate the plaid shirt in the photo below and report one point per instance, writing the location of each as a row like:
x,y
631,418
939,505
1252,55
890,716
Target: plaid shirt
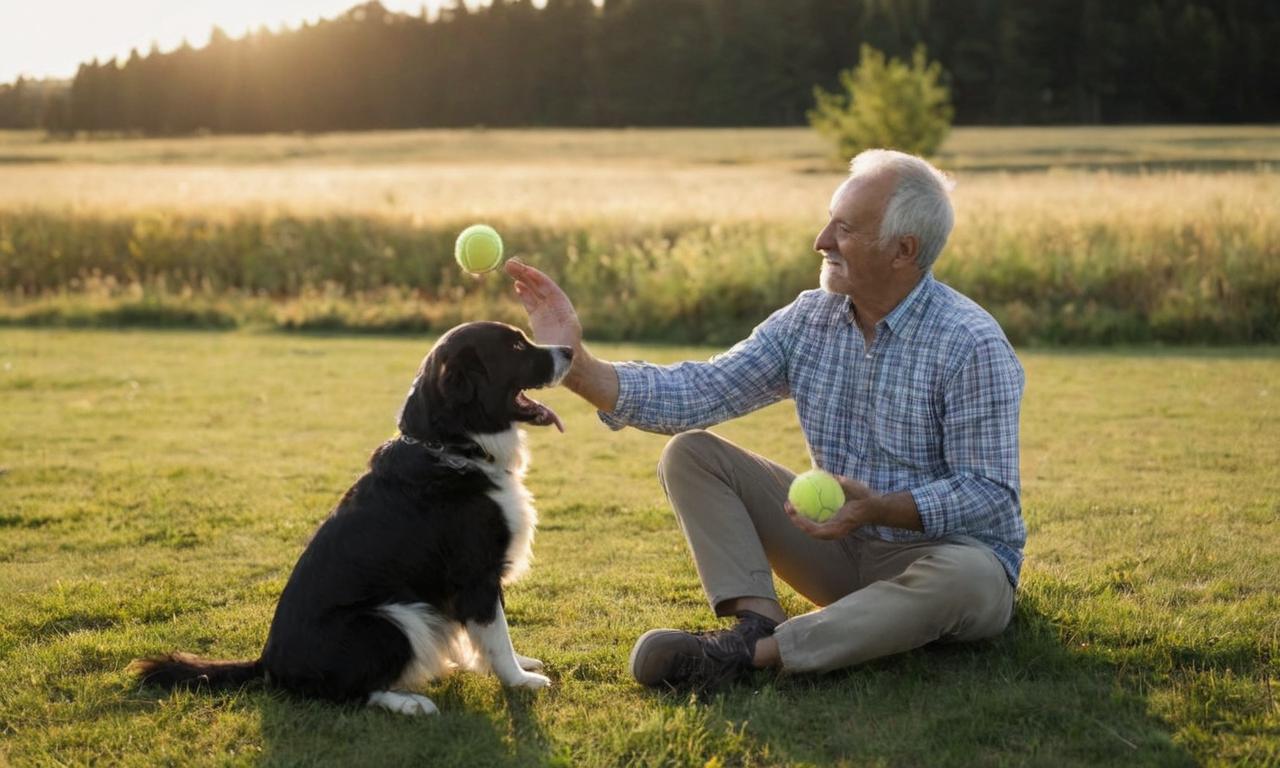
x,y
930,407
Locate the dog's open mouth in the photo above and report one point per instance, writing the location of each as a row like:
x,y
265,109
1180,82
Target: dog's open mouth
x,y
534,412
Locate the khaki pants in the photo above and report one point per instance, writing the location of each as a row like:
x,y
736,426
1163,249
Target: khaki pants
x,y
876,597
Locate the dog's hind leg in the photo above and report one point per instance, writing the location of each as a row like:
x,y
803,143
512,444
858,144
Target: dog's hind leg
x,y
529,664
403,703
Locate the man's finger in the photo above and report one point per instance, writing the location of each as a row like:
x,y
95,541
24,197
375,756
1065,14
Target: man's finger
x,y
527,290
827,531
518,269
799,520
526,299
820,530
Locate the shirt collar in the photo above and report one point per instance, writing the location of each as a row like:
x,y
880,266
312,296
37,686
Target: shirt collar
x,y
904,318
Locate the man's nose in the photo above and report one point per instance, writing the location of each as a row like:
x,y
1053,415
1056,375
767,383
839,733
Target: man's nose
x,y
823,242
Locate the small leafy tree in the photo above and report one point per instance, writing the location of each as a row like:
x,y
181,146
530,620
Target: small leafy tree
x,y
889,104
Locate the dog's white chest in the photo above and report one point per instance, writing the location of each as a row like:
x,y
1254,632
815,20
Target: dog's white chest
x,y
516,502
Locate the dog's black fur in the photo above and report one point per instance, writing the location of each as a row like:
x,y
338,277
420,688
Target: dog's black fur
x,y
418,527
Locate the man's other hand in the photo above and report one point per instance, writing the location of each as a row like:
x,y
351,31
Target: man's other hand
x,y
851,516
862,506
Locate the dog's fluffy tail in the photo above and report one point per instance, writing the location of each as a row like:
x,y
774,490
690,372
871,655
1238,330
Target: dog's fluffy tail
x,y
183,670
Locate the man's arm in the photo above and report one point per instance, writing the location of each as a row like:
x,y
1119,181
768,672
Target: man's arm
x,y
665,399
592,379
980,443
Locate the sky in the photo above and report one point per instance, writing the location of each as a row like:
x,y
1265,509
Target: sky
x,y
50,38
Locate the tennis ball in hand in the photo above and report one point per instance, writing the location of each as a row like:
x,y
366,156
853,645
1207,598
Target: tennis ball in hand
x,y
479,249
816,495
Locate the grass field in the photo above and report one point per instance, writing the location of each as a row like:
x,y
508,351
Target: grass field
x,y
155,488
157,485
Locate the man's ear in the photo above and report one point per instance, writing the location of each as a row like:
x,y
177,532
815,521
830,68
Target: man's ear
x,y
459,376
907,251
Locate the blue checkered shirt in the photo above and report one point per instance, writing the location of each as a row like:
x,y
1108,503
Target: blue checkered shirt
x,y
930,407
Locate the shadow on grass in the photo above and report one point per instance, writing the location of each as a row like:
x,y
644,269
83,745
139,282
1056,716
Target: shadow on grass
x,y
479,724
1022,698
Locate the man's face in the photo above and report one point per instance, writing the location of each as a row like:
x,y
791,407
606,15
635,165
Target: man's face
x,y
854,263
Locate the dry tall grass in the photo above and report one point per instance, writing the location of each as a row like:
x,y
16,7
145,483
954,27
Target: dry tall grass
x,y
696,233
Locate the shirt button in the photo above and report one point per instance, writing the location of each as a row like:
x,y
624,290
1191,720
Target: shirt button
x,y
868,355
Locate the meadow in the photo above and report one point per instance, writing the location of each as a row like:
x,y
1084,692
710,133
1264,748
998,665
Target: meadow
x,y
1131,235
165,450
156,488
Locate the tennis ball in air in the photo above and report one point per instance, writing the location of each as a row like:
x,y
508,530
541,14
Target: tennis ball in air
x,y
816,495
479,249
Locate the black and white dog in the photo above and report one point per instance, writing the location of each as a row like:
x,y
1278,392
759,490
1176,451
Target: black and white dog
x,y
403,582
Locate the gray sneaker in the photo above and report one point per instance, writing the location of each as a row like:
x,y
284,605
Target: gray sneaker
x,y
702,661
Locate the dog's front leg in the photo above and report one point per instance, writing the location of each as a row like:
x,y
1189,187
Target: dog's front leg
x,y
494,641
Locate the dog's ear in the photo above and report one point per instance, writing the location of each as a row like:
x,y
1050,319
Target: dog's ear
x,y
459,376
413,414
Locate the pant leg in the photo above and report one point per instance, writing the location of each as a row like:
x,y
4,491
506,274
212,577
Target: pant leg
x,y
728,502
919,593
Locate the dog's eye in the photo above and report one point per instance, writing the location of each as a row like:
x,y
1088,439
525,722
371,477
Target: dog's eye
x,y
519,346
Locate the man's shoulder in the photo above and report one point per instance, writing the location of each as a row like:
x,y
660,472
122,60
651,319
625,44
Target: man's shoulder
x,y
960,319
820,305
817,297
961,331
810,308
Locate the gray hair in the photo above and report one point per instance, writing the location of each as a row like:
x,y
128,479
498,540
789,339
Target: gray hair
x,y
920,204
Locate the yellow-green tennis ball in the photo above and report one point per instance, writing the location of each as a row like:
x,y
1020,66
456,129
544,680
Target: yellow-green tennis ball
x,y
816,495
479,249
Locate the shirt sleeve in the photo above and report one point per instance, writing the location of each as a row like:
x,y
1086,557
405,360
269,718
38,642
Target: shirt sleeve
x,y
980,445
691,395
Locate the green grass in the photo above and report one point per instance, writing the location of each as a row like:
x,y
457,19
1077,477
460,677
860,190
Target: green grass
x,y
155,489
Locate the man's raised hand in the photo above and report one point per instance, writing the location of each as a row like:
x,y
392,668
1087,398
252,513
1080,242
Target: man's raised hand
x,y
551,314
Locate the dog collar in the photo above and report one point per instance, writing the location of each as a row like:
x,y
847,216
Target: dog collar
x,y
455,455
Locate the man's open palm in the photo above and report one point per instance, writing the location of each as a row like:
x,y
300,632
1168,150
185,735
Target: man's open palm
x,y
551,314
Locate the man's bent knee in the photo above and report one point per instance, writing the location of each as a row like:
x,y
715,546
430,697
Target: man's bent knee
x,y
683,450
686,445
968,586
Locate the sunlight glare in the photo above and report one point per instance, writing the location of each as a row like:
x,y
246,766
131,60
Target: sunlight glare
x,y
86,29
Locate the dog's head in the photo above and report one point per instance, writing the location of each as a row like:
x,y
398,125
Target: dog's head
x,y
473,382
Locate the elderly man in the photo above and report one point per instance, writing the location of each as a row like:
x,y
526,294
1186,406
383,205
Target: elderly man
x,y
906,390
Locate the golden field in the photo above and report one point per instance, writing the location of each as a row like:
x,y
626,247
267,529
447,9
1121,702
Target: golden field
x,y
1078,235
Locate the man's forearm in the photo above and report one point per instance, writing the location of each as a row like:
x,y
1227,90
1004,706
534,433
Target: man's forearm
x,y
894,510
593,380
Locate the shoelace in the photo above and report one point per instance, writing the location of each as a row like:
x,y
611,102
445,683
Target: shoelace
x,y
726,654
723,658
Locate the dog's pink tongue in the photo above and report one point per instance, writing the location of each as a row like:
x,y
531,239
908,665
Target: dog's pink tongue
x,y
547,416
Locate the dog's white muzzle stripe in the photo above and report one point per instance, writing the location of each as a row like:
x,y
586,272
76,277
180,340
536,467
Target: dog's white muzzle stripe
x,y
562,361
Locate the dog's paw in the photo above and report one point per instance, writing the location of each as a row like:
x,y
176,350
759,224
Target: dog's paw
x,y
403,703
529,664
531,680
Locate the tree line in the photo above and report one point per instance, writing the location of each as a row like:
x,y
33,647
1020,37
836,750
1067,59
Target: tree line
x,y
680,62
